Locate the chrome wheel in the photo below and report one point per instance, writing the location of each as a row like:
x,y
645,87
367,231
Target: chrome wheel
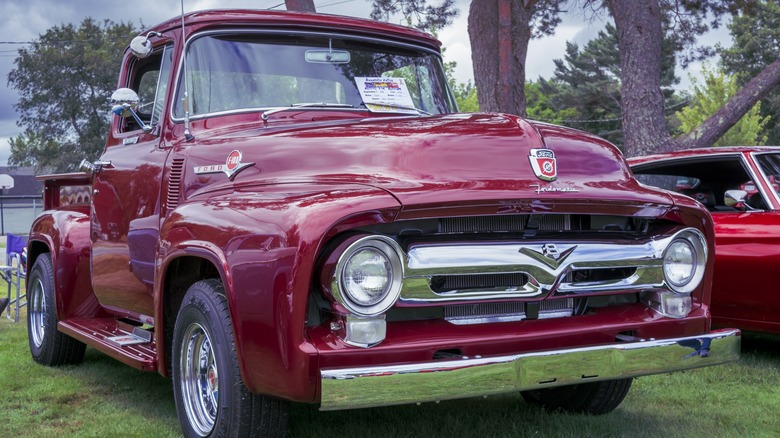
x,y
199,379
37,311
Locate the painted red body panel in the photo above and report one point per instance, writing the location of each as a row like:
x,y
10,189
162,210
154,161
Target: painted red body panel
x,y
747,249
317,175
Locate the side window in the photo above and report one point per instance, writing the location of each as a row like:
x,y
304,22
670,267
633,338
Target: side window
x,y
150,80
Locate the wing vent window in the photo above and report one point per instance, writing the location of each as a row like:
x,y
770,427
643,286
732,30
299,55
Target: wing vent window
x,y
174,183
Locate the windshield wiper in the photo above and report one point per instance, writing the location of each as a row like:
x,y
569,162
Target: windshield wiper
x,y
270,111
395,106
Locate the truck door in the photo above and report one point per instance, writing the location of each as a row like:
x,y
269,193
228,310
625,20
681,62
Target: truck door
x,y
126,194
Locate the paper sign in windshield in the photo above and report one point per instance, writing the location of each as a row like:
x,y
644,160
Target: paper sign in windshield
x,y
387,95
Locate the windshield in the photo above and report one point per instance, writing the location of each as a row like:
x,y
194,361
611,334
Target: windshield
x,y
239,72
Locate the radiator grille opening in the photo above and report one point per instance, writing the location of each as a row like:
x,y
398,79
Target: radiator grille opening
x,y
495,282
483,313
585,276
502,224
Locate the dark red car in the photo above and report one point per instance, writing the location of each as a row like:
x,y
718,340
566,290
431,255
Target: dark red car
x,y
737,185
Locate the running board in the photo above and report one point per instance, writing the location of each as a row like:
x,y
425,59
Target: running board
x,y
130,345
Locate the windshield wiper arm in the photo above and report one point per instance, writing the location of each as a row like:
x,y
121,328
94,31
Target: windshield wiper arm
x,y
396,106
270,111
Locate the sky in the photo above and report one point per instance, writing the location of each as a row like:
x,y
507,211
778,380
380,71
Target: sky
x,y
25,20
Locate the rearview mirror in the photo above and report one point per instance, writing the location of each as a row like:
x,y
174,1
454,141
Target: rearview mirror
x,y
328,56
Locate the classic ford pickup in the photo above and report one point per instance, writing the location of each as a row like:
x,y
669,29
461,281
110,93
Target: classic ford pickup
x,y
290,209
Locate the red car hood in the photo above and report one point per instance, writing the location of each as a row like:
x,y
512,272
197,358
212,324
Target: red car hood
x,y
456,158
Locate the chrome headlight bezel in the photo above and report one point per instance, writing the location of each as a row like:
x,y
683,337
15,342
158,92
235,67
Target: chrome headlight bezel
x,y
694,240
340,287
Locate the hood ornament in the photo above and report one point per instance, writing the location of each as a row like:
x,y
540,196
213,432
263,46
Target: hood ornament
x,y
232,166
543,164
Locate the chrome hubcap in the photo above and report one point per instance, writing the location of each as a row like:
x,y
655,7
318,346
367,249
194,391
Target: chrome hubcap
x,y
37,311
199,379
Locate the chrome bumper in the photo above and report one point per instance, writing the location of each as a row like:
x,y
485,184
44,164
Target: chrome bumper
x,y
469,377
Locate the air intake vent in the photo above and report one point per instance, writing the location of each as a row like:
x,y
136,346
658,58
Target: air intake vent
x,y
174,183
493,282
501,224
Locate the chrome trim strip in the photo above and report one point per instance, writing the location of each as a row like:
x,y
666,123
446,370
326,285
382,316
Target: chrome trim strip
x,y
385,385
754,157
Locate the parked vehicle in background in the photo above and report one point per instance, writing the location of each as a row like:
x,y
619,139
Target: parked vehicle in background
x,y
300,215
737,185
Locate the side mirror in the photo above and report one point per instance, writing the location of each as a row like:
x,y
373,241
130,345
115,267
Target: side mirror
x,y
124,101
140,45
733,198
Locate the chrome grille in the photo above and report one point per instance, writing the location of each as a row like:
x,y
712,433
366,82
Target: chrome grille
x,y
501,224
502,282
482,313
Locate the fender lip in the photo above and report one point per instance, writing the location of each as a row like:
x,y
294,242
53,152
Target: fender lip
x,y
363,387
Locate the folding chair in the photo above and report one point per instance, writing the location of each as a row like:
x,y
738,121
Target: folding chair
x,y
13,272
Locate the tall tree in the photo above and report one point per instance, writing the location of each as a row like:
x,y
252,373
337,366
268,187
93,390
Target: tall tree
x,y
300,5
639,30
636,21
64,80
499,31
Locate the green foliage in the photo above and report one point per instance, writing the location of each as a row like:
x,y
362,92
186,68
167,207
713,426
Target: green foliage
x,y
64,80
718,88
756,37
417,13
540,104
466,97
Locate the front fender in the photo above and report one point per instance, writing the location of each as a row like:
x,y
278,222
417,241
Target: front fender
x,y
264,244
64,234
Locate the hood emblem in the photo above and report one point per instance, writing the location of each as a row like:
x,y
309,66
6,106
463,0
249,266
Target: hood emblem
x,y
549,254
543,164
232,166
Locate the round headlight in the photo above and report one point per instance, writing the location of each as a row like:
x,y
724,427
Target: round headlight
x,y
679,263
368,276
684,261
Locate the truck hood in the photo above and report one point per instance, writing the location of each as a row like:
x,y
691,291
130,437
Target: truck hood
x,y
446,159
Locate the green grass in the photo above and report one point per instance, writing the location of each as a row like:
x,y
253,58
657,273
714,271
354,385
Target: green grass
x,y
103,398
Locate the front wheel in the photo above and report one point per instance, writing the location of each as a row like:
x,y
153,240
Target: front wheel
x,y
48,345
593,398
211,399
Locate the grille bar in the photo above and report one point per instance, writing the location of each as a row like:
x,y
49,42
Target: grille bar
x,y
482,313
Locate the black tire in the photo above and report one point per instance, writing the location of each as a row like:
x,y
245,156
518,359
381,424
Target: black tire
x,y
211,399
594,398
48,345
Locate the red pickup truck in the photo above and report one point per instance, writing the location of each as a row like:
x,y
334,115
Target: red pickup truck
x,y
290,209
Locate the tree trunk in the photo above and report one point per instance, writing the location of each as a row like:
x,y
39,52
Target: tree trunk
x,y
717,124
300,5
638,24
499,32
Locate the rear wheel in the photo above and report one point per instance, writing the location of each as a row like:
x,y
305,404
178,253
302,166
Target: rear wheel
x,y
594,398
211,399
48,345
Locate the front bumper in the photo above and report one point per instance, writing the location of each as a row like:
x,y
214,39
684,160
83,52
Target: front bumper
x,y
363,387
